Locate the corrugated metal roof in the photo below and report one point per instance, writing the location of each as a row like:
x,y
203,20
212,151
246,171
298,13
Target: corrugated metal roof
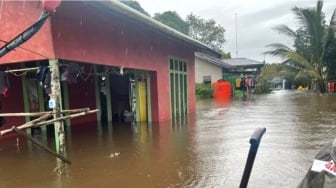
x,y
242,62
124,10
214,60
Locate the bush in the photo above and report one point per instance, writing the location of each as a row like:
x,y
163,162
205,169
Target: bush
x,y
263,87
204,91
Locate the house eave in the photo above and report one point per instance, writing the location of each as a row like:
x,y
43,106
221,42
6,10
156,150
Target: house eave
x,y
126,11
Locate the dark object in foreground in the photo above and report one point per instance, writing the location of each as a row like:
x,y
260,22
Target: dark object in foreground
x,y
321,179
254,141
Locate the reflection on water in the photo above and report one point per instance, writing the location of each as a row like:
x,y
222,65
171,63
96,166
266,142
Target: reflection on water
x,y
206,149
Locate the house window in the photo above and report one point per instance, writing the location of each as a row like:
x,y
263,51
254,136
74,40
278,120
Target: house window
x,y
207,79
178,87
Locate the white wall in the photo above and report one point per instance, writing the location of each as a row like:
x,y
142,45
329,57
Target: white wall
x,y
203,68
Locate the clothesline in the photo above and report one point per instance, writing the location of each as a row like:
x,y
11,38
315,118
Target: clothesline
x,y
82,74
36,68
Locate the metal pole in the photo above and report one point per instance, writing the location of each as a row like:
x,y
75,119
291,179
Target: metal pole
x,y
254,141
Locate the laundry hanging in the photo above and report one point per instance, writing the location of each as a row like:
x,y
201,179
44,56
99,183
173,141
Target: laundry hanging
x,y
42,74
47,83
71,73
44,78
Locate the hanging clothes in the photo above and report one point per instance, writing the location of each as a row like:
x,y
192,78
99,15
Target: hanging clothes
x,y
4,83
42,74
71,73
47,83
237,83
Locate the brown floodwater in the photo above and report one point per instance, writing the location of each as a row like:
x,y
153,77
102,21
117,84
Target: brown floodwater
x,y
208,149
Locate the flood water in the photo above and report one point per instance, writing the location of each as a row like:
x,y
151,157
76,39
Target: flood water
x,y
208,149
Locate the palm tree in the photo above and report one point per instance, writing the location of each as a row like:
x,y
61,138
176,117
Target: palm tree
x,y
311,42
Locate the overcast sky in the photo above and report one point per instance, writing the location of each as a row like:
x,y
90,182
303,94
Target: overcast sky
x,y
254,21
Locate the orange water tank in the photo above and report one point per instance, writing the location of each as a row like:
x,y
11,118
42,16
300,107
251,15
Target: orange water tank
x,y
222,89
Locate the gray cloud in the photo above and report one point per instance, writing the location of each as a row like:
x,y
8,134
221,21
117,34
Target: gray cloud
x,y
255,20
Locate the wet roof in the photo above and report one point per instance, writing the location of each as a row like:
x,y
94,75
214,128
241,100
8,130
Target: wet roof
x,y
213,60
242,62
126,11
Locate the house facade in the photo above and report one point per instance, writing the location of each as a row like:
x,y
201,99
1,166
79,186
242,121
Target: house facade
x,y
209,69
125,61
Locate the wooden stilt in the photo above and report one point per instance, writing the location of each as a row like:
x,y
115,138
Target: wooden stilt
x,y
58,125
97,93
41,104
25,98
108,96
149,102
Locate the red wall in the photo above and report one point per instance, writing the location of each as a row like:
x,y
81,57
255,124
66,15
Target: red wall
x,y
15,17
83,33
13,102
82,95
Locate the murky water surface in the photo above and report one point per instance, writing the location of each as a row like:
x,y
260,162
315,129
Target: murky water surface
x,y
208,149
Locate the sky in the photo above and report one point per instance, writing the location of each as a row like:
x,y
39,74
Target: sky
x,y
248,23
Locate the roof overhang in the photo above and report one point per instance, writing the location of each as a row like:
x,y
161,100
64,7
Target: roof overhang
x,y
130,13
213,60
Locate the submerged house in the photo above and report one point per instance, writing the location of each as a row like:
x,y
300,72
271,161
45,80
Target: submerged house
x,y
124,61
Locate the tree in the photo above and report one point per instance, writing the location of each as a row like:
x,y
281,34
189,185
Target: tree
x,y
312,43
173,20
135,5
206,31
226,55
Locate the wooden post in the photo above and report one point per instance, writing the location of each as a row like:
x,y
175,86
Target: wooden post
x,y
25,98
58,125
97,93
149,101
108,96
41,102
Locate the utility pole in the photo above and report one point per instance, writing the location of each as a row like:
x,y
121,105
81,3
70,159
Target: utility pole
x,y
236,22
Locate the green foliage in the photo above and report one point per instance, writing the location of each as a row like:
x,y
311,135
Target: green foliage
x,y
204,91
226,55
173,20
277,71
302,79
263,87
315,46
265,78
135,5
270,71
301,43
206,31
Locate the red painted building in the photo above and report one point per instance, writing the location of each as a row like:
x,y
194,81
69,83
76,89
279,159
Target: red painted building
x,y
127,61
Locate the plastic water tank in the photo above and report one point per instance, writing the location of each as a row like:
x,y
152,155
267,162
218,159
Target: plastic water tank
x,y
222,89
